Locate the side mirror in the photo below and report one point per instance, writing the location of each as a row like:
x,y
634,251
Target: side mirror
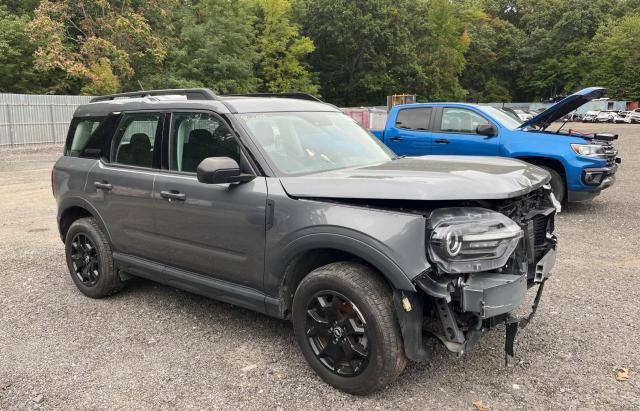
x,y
221,170
488,130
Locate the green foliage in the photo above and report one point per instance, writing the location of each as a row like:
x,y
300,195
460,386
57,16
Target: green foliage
x,y
215,47
282,50
17,73
88,40
351,52
441,50
369,49
614,57
490,71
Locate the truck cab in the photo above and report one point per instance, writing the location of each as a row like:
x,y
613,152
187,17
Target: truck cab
x,y
581,164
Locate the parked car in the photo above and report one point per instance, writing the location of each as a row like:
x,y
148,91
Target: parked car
x,y
590,116
605,116
634,116
571,117
581,165
511,113
522,115
288,207
622,117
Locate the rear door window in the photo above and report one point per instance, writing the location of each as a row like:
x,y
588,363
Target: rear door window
x,y
414,118
135,140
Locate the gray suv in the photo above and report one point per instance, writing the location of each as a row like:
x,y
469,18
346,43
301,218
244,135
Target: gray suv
x,y
284,205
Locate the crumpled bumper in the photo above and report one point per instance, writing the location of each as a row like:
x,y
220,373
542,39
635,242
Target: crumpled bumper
x,y
490,295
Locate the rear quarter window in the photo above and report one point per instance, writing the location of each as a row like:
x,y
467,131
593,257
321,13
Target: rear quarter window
x,y
91,136
80,134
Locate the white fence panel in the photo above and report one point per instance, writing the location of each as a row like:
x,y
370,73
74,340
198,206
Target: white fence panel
x,y
36,119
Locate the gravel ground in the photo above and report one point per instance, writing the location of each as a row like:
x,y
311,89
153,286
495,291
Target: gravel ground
x,y
153,347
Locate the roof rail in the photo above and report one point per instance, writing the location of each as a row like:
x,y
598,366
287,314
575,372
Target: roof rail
x,y
190,93
299,96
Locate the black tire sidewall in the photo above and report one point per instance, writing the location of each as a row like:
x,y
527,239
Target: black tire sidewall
x,y
557,185
374,375
106,280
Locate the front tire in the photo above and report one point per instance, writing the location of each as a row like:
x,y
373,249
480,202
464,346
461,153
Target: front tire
x,y
557,185
344,322
90,260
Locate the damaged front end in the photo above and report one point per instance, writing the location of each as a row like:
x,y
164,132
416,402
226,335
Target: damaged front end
x,y
483,262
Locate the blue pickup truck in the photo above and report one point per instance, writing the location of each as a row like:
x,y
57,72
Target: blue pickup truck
x,y
581,164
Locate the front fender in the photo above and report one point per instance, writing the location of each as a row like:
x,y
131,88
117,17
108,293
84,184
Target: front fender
x,y
348,242
391,241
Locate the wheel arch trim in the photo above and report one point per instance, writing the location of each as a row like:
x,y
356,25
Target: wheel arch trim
x,y
79,202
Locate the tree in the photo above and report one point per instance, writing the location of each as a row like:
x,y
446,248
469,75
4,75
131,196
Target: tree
x,y
614,57
17,73
216,47
556,33
99,43
369,49
441,49
282,49
491,68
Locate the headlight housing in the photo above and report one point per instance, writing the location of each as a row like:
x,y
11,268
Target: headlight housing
x,y
471,239
588,150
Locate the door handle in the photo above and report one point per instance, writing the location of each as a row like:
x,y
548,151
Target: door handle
x,y
442,141
102,185
173,195
396,138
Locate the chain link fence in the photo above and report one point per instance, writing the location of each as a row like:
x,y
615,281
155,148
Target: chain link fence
x,y
36,119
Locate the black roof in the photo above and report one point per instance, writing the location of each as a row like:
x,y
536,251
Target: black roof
x,y
201,99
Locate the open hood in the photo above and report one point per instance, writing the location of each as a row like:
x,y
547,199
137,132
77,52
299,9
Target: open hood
x,y
423,178
564,106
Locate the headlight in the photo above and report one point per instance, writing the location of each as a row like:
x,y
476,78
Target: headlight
x,y
470,239
589,150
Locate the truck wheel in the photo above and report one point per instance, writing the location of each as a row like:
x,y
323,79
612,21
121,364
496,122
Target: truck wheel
x,y
344,322
557,184
90,260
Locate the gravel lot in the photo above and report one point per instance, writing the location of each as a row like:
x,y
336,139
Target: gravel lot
x,y
155,347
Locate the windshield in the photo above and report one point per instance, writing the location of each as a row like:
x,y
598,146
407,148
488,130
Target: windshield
x,y
311,142
502,117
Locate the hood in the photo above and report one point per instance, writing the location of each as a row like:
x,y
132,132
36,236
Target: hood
x,y
564,106
424,178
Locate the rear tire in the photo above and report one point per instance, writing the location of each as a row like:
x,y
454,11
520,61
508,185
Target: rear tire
x,y
90,260
340,312
557,185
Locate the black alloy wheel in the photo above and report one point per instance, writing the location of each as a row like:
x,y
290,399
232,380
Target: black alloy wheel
x,y
344,321
85,260
337,333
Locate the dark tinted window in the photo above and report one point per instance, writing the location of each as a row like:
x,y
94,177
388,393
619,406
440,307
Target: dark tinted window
x,y
196,136
135,138
414,118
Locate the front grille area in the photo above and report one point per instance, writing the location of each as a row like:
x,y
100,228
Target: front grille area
x,y
610,153
532,213
541,225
